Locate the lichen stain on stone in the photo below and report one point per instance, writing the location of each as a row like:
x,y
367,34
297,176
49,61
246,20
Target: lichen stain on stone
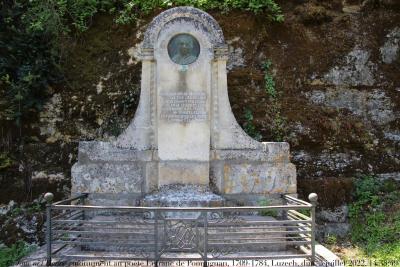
x,y
236,57
356,70
370,105
390,49
133,53
244,182
228,183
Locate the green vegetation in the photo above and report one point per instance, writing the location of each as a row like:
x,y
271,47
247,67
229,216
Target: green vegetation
x,y
331,239
5,161
10,255
132,8
269,79
28,62
375,218
305,212
278,126
28,209
60,16
249,126
266,202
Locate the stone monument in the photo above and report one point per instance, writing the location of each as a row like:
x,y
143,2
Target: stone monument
x,y
184,134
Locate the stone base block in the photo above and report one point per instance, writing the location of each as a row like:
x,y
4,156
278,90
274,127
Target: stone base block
x,y
105,170
264,172
179,195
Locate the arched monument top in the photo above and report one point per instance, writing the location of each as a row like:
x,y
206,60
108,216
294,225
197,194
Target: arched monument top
x,y
158,23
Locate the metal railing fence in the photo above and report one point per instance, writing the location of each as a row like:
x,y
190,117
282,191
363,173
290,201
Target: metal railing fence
x,y
167,233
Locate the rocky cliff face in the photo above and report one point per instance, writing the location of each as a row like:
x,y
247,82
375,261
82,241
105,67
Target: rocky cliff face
x,y
336,67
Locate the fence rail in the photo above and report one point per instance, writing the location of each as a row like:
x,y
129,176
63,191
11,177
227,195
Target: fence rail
x,y
167,233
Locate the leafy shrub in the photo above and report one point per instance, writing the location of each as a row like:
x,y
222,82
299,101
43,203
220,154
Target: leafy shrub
x,y
269,79
249,126
279,126
28,64
375,225
5,161
59,17
331,239
29,209
10,255
131,8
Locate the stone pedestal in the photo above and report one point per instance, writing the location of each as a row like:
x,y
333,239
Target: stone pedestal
x,y
179,195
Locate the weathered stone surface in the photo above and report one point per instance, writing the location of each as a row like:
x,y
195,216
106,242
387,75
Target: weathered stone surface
x,y
337,215
183,196
272,152
236,57
390,175
390,49
209,23
49,117
332,192
333,229
372,105
104,151
52,178
254,178
114,199
21,222
356,70
183,172
108,177
103,169
393,136
327,161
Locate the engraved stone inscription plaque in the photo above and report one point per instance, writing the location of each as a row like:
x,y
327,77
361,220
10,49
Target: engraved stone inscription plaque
x,y
183,106
183,49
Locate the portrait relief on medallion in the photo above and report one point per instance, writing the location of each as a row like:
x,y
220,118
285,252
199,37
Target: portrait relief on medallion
x,y
183,49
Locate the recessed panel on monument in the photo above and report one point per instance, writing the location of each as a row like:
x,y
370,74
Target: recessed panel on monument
x,y
183,69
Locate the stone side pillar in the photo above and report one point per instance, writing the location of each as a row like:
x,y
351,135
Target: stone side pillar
x,y
226,132
140,134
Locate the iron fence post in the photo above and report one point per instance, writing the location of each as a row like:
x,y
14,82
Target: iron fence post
x,y
313,200
205,217
49,198
156,238
284,212
82,202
